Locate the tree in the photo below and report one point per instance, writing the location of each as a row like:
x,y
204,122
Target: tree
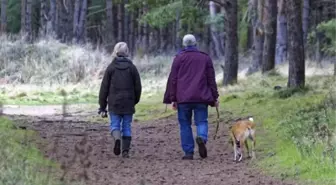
x,y
110,29
258,39
281,40
231,46
43,17
296,59
82,22
23,16
3,27
270,24
305,19
214,33
28,20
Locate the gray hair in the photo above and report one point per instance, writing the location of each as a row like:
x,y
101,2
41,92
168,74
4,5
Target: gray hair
x,y
120,49
189,40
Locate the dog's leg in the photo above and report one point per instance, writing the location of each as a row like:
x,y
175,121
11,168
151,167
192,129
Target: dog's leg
x,y
241,150
235,151
247,149
253,146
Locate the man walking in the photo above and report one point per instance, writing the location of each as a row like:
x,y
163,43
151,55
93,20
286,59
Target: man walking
x,y
191,88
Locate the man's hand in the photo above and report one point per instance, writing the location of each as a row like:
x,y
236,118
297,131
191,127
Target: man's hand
x,y
216,104
103,113
174,106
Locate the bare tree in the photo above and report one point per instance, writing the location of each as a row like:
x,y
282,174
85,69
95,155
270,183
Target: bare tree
x,y
305,17
258,40
82,22
52,18
214,33
126,23
110,25
120,21
23,16
3,16
281,43
28,19
270,24
296,59
76,15
146,29
178,28
43,17
230,67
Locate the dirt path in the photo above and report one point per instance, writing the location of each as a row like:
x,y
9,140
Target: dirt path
x,y
155,154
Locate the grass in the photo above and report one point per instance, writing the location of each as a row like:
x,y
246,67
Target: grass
x,y
20,161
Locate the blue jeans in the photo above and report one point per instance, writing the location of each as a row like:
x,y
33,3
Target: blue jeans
x,y
126,121
184,114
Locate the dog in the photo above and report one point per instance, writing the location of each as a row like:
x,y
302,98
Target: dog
x,y
240,132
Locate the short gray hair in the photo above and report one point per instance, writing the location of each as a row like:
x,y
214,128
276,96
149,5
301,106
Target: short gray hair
x,y
189,40
120,48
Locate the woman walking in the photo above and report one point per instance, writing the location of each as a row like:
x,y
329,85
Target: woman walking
x,y
121,90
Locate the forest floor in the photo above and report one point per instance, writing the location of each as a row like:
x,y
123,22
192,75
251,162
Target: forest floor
x,y
84,150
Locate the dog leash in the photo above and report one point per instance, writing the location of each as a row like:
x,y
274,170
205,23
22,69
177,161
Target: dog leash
x,y
217,126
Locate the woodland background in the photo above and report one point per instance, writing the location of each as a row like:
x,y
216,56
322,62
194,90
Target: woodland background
x,y
274,59
268,31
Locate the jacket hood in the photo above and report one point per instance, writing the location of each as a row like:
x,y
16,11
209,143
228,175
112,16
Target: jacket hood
x,y
121,63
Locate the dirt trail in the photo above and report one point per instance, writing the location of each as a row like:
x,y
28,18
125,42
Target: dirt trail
x,y
155,154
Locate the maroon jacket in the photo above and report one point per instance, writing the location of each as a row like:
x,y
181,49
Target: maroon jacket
x,y
191,79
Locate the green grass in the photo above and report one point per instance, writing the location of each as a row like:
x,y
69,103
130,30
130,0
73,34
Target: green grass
x,y
288,119
20,161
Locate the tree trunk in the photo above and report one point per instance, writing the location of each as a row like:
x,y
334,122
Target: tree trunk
x,y
52,23
146,30
110,26
43,18
231,47
82,22
281,43
305,21
28,20
296,59
252,9
3,27
23,16
126,23
270,24
139,37
318,36
214,33
177,42
258,40
76,19
131,41
62,21
120,21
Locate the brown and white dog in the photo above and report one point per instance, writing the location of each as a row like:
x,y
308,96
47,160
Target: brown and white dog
x,y
240,132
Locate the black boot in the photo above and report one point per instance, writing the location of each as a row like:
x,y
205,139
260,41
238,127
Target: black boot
x,y
126,143
201,147
116,136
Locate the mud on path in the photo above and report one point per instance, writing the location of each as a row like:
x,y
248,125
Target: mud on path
x,y
155,154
